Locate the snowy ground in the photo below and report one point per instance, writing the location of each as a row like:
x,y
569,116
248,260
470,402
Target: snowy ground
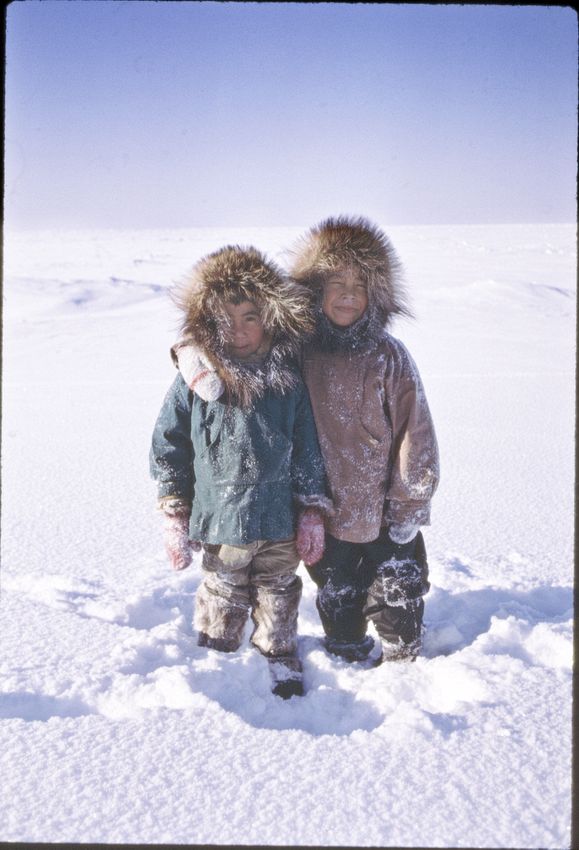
x,y
115,727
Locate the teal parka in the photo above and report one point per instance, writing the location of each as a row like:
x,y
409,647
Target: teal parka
x,y
244,471
246,462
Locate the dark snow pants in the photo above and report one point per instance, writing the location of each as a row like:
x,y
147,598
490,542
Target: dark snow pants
x,y
380,581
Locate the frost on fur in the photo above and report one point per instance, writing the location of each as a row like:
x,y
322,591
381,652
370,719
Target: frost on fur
x,y
232,275
353,241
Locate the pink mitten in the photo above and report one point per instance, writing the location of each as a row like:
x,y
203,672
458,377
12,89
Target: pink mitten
x,y
310,540
176,536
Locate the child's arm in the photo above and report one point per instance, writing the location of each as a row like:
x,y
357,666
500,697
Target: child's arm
x,y
415,464
171,464
171,456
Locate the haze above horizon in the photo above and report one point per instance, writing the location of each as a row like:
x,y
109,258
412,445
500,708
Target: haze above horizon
x,y
166,114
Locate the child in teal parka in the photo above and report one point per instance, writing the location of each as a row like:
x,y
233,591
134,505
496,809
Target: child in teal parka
x,y
240,473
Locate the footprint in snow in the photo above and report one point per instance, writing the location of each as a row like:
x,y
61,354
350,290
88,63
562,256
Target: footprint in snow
x,y
93,600
30,706
457,619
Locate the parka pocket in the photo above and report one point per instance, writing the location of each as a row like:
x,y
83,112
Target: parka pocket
x,y
274,451
373,413
373,439
377,436
208,431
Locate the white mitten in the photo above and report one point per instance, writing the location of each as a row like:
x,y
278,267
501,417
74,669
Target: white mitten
x,y
402,532
197,372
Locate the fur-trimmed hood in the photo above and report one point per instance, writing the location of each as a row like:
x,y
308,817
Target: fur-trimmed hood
x,y
353,241
233,274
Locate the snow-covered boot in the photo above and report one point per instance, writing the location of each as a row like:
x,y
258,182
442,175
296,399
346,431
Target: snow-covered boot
x,y
286,676
395,601
399,651
218,643
275,615
357,650
220,621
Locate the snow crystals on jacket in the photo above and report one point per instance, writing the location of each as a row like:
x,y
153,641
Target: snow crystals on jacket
x,y
247,459
243,470
376,435
371,412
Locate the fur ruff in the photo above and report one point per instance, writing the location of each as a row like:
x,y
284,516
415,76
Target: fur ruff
x,y
356,242
360,337
235,274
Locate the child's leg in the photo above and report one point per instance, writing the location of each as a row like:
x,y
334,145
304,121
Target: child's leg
x,y
275,592
222,599
342,590
395,604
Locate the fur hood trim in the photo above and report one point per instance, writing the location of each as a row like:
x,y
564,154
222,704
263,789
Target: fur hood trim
x,y
348,241
234,274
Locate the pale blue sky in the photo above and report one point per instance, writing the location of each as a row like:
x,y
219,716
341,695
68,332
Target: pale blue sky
x,y
176,114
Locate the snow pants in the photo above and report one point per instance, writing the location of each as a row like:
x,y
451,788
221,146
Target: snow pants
x,y
379,581
260,577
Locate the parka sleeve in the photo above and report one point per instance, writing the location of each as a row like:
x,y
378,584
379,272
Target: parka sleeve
x,y
171,455
308,471
414,462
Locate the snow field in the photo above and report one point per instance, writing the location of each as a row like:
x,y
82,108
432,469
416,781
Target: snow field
x,y
117,728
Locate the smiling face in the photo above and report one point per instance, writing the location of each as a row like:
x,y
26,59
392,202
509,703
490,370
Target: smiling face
x,y
245,333
345,297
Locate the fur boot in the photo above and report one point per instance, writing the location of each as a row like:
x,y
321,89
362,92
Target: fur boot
x,y
219,621
275,616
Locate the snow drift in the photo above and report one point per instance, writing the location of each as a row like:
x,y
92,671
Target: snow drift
x,y
117,728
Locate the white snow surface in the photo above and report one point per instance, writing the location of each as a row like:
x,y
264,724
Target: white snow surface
x,y
116,728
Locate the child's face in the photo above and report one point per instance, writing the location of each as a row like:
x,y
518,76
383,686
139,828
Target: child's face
x,y
345,297
245,333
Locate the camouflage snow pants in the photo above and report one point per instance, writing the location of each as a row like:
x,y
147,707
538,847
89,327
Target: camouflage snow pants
x,y
379,581
260,577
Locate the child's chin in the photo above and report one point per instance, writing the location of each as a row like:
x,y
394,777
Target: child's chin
x,y
239,353
345,321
